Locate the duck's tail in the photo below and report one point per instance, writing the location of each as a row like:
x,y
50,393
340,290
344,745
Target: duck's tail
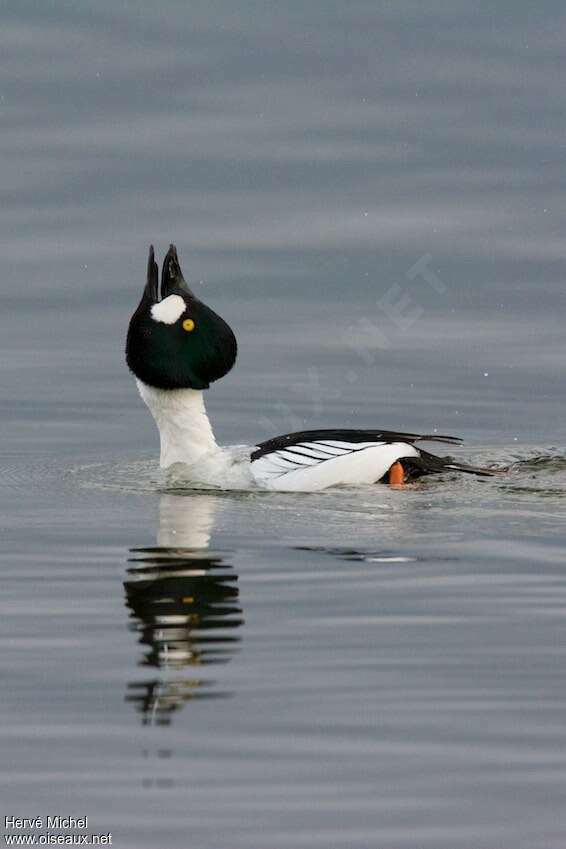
x,y
427,463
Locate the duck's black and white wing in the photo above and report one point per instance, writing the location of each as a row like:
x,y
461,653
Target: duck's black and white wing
x,y
308,461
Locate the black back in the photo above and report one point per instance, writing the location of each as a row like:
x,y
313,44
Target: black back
x,y
346,435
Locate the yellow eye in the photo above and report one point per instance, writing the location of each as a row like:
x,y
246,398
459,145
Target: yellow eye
x,y
188,325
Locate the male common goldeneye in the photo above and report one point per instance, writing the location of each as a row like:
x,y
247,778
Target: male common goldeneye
x,y
177,346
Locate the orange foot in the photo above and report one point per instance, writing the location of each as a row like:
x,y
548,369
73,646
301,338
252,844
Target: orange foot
x,y
396,474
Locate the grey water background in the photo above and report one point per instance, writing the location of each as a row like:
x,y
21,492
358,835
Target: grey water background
x,y
361,668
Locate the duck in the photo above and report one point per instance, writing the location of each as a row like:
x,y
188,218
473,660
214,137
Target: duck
x,y
176,346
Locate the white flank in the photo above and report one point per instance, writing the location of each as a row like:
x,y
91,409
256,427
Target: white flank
x,y
169,310
346,463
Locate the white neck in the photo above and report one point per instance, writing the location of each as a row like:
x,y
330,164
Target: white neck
x,y
184,428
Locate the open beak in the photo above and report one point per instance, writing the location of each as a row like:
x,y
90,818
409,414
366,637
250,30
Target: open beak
x,y
150,293
172,280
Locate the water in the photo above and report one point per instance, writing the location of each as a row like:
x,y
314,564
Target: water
x,y
353,668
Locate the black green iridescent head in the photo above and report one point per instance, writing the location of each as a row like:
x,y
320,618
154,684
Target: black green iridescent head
x,y
177,342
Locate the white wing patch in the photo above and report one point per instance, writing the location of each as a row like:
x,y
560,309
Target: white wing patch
x,y
169,310
311,466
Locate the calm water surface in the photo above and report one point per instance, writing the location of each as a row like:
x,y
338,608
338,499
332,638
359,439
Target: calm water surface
x,y
357,668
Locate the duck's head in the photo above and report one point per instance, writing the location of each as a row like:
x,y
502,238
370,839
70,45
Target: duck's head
x,y
176,341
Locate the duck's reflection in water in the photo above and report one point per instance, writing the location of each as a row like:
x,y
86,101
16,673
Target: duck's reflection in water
x,y
184,605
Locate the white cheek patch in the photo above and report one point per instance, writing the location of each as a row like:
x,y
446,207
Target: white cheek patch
x,y
169,310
